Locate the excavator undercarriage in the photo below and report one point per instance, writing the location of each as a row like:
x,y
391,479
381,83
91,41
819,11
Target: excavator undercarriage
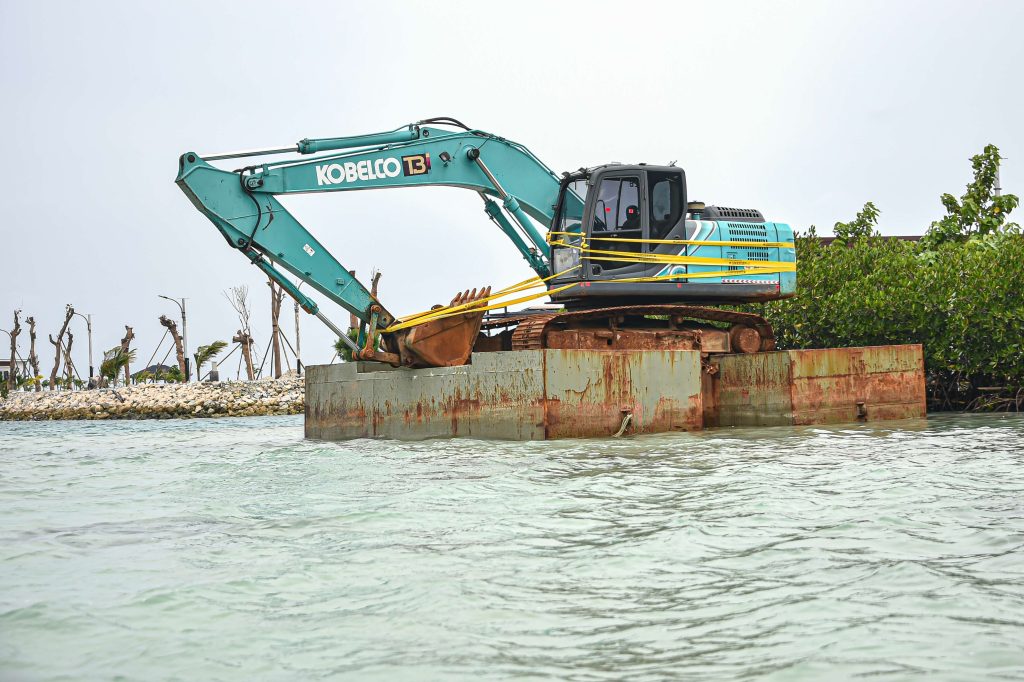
x,y
452,340
636,327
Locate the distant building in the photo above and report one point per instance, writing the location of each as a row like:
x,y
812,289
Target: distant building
x,y
20,366
904,238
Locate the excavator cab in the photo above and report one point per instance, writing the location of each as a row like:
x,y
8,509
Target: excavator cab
x,y
642,213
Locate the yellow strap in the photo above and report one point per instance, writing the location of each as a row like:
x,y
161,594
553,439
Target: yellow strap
x,y
698,275
442,313
748,267
452,311
669,259
691,242
525,285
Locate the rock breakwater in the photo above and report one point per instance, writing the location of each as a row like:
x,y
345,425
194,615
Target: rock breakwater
x,y
161,401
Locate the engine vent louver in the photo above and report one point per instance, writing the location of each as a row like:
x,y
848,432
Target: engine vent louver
x,y
746,215
749,232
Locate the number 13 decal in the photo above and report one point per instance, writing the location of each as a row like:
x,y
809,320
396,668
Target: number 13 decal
x,y
416,165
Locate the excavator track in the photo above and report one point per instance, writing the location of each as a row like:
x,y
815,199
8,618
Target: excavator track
x,y
531,332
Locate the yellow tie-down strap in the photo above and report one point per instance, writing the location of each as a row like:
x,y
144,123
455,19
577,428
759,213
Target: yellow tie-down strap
x,y
494,300
669,259
681,242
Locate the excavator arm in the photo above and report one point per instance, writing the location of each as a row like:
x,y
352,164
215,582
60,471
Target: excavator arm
x,y
242,204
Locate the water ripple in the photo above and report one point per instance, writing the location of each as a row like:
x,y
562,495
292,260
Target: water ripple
x,y
234,549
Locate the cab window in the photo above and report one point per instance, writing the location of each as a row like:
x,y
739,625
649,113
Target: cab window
x,y
618,205
666,202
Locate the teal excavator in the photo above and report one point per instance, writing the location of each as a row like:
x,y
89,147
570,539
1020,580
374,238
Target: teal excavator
x,y
630,261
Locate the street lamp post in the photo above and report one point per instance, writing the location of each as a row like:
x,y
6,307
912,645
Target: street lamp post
x,y
298,344
184,334
88,328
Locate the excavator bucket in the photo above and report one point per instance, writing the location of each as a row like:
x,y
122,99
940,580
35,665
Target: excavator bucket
x,y
445,342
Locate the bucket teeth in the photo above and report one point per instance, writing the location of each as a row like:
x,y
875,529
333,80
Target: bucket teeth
x,y
470,295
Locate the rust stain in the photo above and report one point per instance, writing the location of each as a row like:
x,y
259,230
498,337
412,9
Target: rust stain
x,y
837,385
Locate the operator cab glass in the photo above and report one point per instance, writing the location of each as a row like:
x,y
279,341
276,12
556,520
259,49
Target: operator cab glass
x,y
617,224
568,234
618,206
666,202
570,214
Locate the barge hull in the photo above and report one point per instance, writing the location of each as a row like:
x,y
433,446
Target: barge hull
x,y
560,393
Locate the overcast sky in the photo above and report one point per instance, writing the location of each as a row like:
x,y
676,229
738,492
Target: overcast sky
x,y
804,110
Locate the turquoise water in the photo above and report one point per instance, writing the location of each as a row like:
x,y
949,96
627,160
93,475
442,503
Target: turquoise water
x,y
234,550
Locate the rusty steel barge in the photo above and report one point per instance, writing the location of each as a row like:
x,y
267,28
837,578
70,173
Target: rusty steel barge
x,y
549,393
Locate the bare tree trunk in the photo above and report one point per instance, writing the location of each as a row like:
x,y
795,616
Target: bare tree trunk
x,y
374,280
276,296
69,312
33,359
239,300
353,321
172,327
12,377
69,365
58,353
246,342
125,343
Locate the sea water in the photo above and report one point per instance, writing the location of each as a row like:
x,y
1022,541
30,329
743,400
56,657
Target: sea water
x,y
233,549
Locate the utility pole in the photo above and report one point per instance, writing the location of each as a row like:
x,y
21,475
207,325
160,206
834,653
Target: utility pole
x,y
184,335
88,328
298,344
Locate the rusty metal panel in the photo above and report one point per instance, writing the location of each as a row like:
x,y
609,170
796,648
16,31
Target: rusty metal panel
x,y
820,386
518,395
748,390
836,385
589,393
499,396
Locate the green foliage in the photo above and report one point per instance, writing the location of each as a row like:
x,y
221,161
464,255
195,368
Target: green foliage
x,y
962,301
979,211
144,377
29,383
342,349
206,353
862,226
115,363
4,391
174,375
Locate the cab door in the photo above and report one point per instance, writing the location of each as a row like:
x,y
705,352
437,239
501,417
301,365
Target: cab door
x,y
618,224
666,215
631,211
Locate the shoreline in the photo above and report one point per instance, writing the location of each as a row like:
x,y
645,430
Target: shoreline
x,y
161,401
